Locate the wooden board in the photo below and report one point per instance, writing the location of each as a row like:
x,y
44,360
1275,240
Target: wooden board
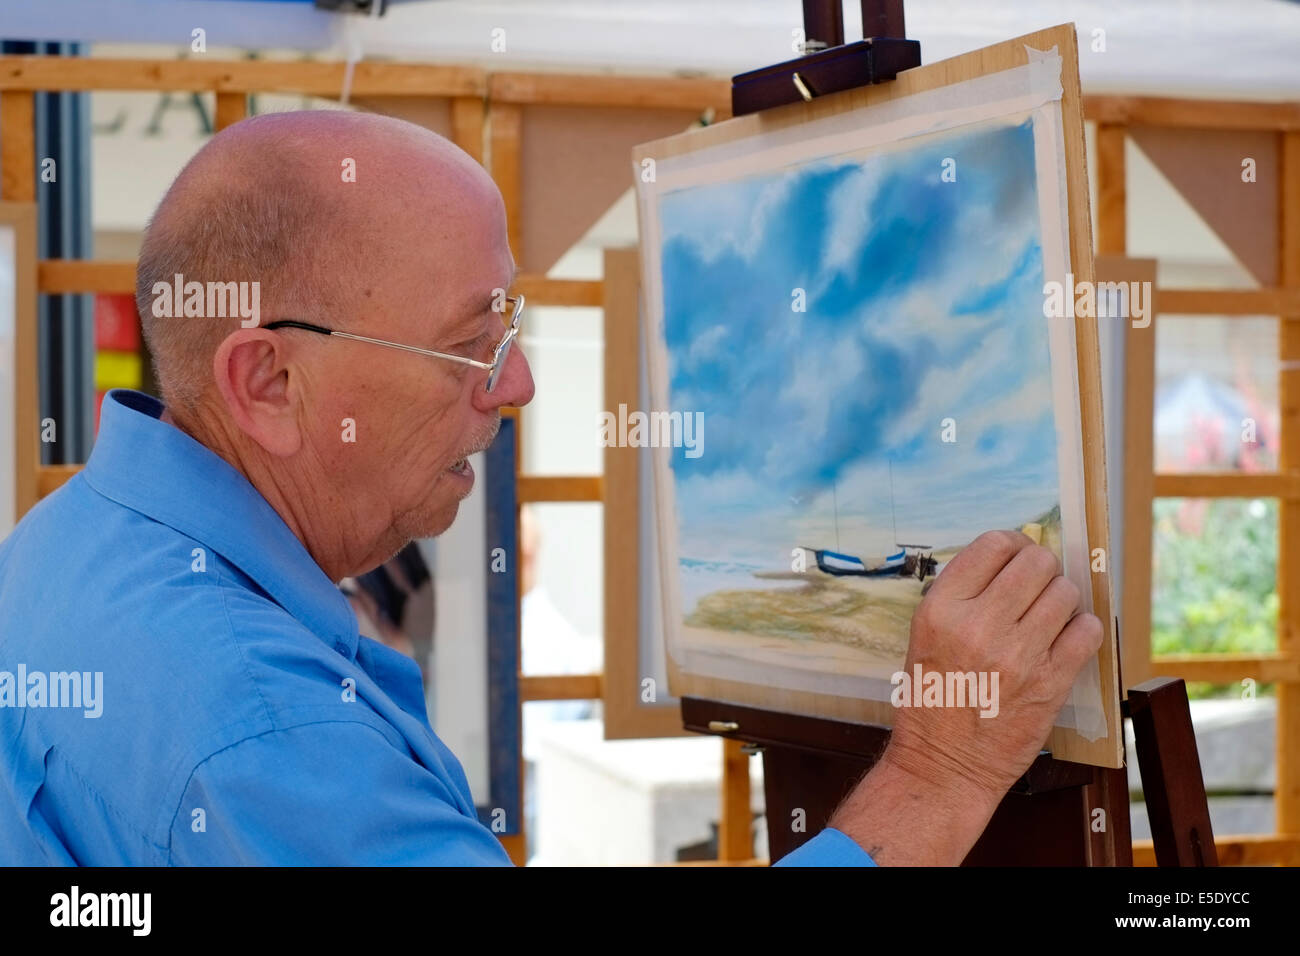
x,y
74,74
1063,742
1134,520
626,715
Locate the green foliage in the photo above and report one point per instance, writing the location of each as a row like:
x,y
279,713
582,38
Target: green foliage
x,y
1214,576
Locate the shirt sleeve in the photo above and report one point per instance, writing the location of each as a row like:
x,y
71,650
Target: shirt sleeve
x,y
829,848
334,793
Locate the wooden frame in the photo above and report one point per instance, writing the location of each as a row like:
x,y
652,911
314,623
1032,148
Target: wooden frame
x,y
1114,116
1065,743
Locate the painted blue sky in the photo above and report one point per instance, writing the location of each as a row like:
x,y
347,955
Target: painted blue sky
x,y
924,302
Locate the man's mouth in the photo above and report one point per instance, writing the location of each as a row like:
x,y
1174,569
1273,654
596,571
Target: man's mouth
x,y
460,467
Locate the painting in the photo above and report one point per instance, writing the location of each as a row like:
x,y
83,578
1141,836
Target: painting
x,y
853,374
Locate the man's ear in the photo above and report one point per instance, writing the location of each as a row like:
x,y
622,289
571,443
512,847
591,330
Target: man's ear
x,y
251,370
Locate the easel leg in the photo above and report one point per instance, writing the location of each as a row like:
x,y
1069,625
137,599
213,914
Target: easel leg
x,y
1171,773
1110,832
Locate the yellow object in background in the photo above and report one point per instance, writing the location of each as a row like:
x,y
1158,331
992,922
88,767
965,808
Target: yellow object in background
x,y
1034,531
117,370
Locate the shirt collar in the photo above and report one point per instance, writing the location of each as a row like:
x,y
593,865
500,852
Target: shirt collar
x,y
161,472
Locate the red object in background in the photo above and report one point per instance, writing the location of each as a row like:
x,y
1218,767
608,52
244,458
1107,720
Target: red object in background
x,y
117,327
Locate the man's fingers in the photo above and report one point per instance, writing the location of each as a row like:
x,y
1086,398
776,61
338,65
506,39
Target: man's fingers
x,y
1048,615
1075,646
1018,585
971,569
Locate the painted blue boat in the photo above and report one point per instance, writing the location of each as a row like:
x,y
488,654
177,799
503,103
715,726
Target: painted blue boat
x,y
832,562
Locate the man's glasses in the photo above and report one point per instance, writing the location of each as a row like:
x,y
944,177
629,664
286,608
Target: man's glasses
x,y
493,368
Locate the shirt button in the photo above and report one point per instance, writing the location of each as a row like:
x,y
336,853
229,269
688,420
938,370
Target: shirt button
x,y
341,647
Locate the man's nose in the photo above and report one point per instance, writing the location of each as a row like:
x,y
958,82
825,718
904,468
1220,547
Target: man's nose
x,y
514,386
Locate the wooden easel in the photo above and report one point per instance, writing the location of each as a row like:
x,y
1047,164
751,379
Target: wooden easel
x,y
1059,813
1050,816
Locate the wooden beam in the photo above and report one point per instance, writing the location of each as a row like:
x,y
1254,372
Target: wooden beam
x,y
1112,191
1230,302
1190,114
231,108
63,276
77,74
643,92
534,488
736,824
1251,850
1227,668
17,146
50,478
561,687
1287,794
543,291
1230,484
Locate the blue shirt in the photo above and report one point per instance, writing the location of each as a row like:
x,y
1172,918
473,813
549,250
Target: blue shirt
x,y
180,683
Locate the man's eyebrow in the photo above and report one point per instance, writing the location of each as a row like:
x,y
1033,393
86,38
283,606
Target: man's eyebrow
x,y
488,300
481,304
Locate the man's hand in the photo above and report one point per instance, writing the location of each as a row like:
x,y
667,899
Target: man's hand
x,y
1000,606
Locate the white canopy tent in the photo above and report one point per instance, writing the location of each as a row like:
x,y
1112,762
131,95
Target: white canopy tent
x,y
1246,49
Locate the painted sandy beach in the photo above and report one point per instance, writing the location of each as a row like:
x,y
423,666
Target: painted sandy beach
x,y
814,621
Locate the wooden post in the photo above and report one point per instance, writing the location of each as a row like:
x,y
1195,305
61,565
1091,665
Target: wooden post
x,y
17,146
26,409
823,24
505,121
1172,782
1288,560
468,120
18,184
883,18
231,108
735,829
1112,191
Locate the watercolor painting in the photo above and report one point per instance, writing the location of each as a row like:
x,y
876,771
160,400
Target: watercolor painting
x,y
863,336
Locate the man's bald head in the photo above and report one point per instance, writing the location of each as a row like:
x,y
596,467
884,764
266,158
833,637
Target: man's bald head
x,y
358,447
266,201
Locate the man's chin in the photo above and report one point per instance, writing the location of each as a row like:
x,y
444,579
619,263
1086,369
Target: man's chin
x,y
439,521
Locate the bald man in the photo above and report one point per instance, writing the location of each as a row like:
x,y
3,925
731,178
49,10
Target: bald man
x,y
186,684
